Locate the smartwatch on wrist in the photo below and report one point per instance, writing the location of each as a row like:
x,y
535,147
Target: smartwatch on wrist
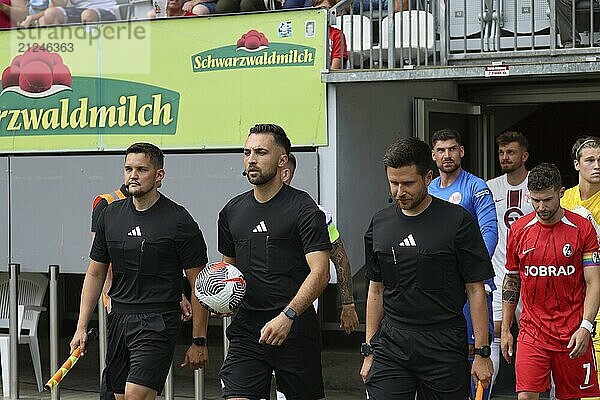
x,y
366,349
483,351
290,313
199,341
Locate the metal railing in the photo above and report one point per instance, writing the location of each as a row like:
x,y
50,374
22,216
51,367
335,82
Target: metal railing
x,y
439,32
374,39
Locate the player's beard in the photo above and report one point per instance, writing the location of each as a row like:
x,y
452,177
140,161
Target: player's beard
x,y
263,176
450,168
508,168
411,202
548,214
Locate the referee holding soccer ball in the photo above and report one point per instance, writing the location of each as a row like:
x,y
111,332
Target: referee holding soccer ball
x,y
277,237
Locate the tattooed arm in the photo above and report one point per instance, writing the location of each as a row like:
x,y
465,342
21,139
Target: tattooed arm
x,y
511,288
348,317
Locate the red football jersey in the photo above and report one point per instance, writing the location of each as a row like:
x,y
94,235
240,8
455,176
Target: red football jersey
x,y
550,260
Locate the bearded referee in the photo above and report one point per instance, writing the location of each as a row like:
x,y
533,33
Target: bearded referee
x,y
277,237
420,277
149,239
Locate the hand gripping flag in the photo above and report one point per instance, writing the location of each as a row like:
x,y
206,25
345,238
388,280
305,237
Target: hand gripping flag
x,y
66,367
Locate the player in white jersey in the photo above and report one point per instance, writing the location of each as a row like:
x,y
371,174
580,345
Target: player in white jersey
x,y
511,198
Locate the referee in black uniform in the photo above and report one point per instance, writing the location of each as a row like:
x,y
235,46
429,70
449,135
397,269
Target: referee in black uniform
x,y
148,239
277,237
424,256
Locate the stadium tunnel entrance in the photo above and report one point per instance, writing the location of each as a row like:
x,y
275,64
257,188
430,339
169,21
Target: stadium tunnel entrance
x,y
370,115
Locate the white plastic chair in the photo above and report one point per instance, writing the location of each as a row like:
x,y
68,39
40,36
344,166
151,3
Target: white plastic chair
x,y
32,289
123,10
416,36
352,28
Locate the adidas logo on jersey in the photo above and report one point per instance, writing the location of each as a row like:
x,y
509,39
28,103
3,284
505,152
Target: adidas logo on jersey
x,y
135,232
409,241
260,228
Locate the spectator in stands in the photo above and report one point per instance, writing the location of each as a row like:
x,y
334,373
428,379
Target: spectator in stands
x,y
35,11
564,22
200,7
335,37
191,8
235,6
80,11
399,5
11,12
287,4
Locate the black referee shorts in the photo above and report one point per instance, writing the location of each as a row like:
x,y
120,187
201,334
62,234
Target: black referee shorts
x,y
432,363
140,349
248,368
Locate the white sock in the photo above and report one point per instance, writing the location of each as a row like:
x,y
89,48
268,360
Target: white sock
x,y
495,360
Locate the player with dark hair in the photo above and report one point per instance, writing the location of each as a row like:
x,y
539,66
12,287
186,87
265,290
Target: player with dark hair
x,y
471,192
420,277
277,237
148,239
552,264
511,198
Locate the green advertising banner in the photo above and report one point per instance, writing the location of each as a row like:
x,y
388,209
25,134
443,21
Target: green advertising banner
x,y
188,83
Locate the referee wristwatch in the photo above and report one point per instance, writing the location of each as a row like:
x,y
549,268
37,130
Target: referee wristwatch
x,y
366,349
290,313
483,351
199,341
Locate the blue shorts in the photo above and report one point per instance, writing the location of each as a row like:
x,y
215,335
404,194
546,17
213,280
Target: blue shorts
x,y
73,14
212,6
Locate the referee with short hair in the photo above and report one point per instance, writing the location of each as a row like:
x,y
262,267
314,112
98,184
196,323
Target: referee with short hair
x,y
424,257
149,239
277,237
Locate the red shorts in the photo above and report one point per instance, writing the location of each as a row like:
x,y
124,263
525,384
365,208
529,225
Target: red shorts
x,y
573,378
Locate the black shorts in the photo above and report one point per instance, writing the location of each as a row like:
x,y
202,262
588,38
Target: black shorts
x,y
249,365
140,349
432,363
73,14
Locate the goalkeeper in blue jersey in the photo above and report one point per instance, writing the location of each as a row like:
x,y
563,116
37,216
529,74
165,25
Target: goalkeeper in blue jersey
x,y
471,192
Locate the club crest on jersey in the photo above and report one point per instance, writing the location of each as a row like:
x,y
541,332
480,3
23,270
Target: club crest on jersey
x,y
455,198
511,215
567,250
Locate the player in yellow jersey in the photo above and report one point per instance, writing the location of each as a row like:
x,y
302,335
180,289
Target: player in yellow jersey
x,y
584,198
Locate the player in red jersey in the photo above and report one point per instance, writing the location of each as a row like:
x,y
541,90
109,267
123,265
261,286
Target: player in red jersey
x,y
552,261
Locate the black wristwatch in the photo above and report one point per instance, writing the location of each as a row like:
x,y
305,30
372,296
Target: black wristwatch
x,y
199,341
366,349
290,313
483,351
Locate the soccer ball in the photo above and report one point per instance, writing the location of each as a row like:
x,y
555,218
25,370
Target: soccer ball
x,y
220,287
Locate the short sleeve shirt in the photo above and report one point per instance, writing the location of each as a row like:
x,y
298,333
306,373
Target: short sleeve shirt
x,y
269,242
424,262
148,250
550,260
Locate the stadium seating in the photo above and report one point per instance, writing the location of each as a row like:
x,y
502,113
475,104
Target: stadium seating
x,y
357,30
414,35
